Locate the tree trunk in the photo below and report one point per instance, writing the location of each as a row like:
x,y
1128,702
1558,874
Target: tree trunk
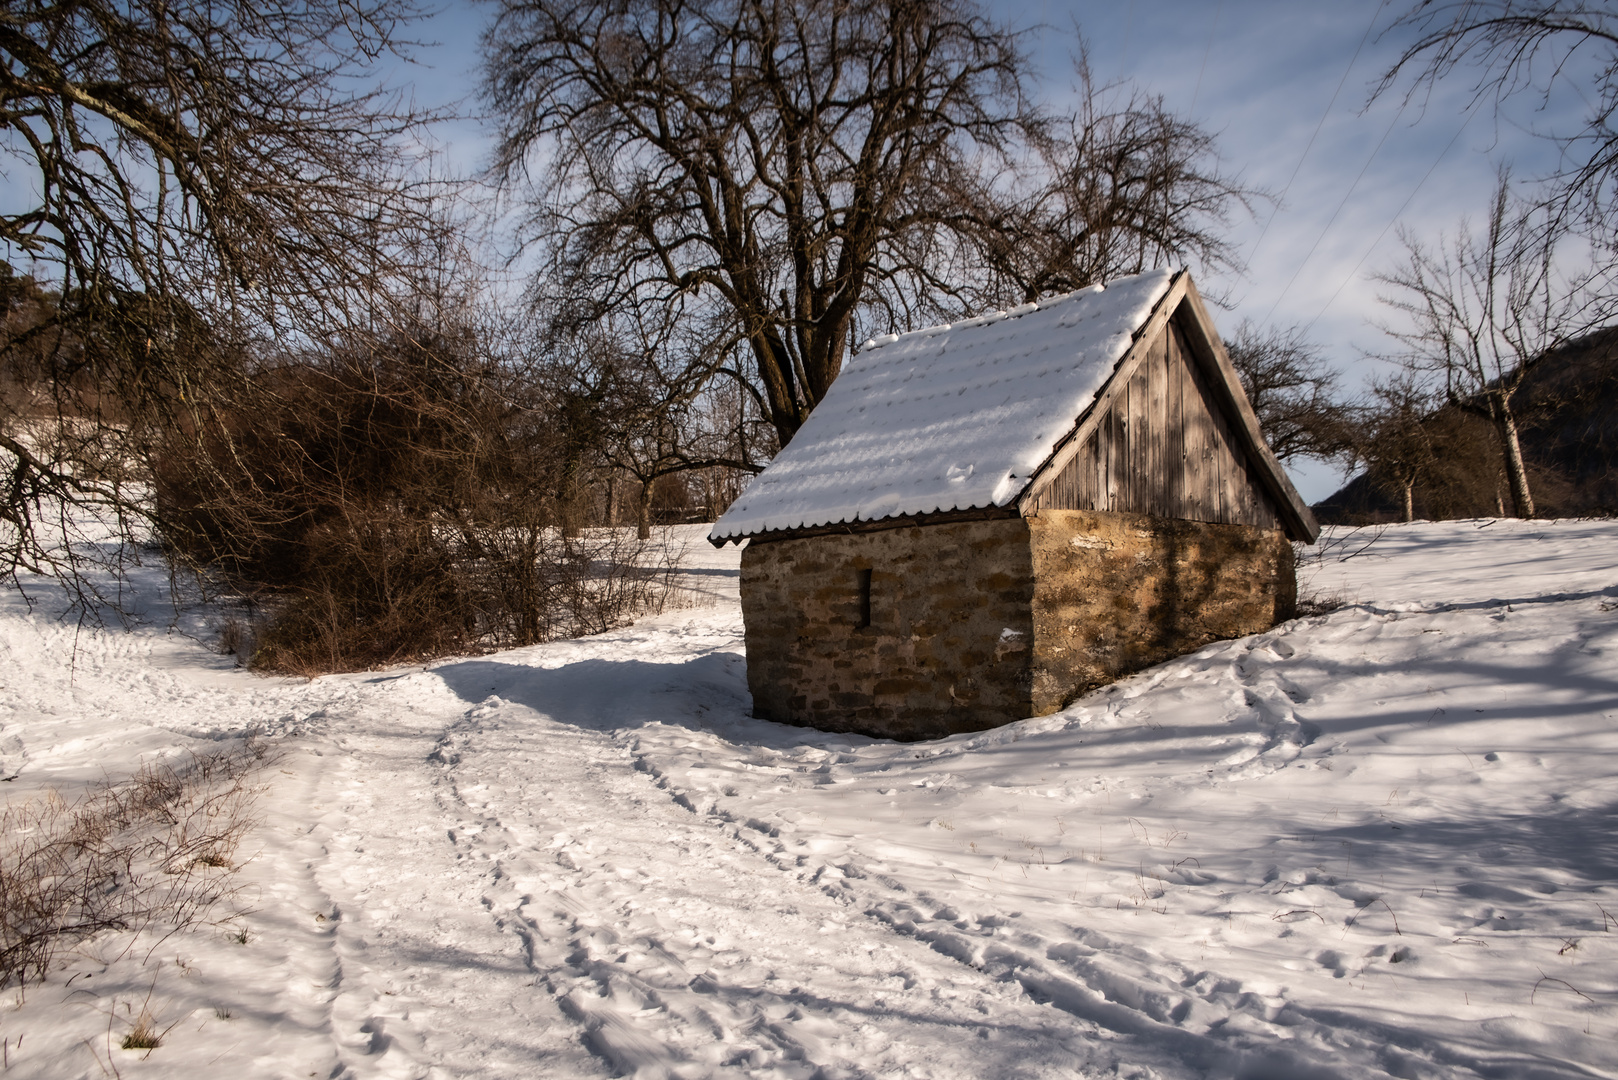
x,y
643,513
612,502
775,372
1516,473
569,505
1410,499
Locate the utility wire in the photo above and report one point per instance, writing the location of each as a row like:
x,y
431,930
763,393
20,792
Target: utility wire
x,y
1333,220
1281,198
1212,30
1397,214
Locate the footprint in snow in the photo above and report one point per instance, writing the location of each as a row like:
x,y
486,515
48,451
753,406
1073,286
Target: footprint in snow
x,y
1333,962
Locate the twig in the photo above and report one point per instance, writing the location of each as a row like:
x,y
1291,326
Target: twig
x,y
1299,911
1544,978
1364,547
1376,900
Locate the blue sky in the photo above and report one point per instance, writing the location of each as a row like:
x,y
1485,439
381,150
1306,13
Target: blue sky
x,y
1266,76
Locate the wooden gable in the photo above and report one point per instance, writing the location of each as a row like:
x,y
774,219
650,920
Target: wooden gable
x,y
1172,435
1161,446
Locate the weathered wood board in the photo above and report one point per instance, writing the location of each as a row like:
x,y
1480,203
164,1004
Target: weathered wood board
x,y
1160,444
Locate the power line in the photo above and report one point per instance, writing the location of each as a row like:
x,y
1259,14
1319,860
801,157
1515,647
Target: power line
x,y
1396,215
1281,198
1333,220
1212,30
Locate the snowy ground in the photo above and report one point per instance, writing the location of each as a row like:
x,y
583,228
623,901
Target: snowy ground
x,y
1380,842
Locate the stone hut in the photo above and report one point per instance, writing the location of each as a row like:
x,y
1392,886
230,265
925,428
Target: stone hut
x,y
983,520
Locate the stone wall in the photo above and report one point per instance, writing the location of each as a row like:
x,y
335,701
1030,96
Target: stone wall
x,y
947,647
1120,592
975,624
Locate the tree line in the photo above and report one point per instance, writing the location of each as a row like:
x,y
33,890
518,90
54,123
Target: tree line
x,y
244,323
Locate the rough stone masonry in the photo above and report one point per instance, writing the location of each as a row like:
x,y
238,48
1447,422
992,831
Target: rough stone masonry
x,y
923,631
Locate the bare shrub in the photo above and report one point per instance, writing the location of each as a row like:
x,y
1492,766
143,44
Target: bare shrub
x,y
1317,603
401,499
235,638
156,851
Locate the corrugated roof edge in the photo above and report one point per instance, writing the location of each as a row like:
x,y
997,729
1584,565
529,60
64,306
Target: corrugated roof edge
x,y
860,525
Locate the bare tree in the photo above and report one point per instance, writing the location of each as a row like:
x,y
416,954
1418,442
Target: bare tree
x,y
1395,437
782,179
1119,186
1293,392
195,176
640,410
1482,310
1528,47
659,435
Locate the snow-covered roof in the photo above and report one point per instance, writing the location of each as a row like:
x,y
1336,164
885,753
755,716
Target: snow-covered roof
x,y
955,417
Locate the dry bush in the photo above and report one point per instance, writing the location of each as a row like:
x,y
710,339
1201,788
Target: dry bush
x,y
522,587
396,502
1317,603
539,585
156,851
235,638
374,592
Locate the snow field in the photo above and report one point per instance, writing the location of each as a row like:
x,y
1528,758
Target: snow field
x,y
1378,842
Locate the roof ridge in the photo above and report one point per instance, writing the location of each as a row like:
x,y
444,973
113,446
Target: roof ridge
x,y
992,317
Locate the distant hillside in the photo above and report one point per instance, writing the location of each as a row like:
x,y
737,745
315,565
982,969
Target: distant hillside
x,y
1568,408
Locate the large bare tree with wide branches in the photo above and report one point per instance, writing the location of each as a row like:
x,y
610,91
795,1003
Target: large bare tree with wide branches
x,y
768,182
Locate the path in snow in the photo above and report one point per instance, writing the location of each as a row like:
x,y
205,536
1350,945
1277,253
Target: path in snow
x,y
584,859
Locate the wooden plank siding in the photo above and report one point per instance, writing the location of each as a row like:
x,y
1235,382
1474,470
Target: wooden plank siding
x,y
1162,446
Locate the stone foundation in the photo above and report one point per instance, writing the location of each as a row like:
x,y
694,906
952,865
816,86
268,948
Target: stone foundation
x,y
946,648
919,632
1120,592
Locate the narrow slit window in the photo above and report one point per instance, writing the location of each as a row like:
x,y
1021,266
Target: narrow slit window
x,y
865,597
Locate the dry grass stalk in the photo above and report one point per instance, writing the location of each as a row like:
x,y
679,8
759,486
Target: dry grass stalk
x,y
154,851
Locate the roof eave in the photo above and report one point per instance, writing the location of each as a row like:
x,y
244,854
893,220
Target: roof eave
x,y
858,525
1295,513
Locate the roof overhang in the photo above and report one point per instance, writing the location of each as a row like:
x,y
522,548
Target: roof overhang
x,y
1183,304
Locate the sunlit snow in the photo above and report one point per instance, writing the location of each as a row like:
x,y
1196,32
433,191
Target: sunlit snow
x,y
1377,842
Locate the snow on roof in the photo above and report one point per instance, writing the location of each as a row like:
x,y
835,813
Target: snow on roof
x,y
955,417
